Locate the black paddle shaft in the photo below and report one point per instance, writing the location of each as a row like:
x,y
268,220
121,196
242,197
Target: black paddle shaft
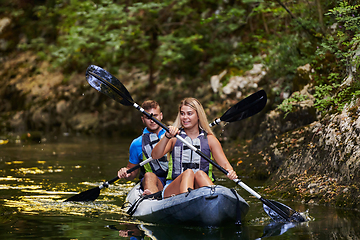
x,y
106,184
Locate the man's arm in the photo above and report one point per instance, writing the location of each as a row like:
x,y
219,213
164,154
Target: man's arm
x,y
135,158
128,176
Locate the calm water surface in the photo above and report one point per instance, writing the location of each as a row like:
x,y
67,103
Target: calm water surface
x,y
36,178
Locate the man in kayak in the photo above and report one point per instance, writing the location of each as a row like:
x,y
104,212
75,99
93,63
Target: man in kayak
x,y
152,174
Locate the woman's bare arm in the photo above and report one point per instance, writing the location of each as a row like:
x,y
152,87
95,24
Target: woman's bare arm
x,y
165,145
219,156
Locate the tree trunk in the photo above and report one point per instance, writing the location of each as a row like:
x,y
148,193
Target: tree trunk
x,y
265,23
320,12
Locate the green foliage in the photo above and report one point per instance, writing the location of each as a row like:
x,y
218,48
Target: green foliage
x,y
342,46
323,95
25,26
336,59
286,45
287,55
92,32
288,105
194,39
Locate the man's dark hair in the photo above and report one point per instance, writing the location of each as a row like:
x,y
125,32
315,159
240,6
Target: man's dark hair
x,y
149,104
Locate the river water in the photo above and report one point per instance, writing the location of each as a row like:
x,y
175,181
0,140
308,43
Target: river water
x,y
36,178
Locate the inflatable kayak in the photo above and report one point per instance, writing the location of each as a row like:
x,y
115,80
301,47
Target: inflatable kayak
x,y
207,206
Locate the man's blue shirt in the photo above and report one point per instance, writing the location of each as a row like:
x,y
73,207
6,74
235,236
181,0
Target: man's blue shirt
x,y
136,155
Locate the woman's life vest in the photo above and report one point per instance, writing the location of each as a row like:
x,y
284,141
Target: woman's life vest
x,y
183,158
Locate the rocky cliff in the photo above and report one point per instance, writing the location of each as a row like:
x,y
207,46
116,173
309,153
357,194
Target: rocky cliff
x,y
318,162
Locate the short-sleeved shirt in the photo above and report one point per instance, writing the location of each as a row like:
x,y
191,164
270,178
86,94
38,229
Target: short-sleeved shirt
x,y
136,154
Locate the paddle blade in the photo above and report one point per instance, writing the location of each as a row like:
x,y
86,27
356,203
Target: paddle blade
x,y
89,195
287,214
109,85
246,107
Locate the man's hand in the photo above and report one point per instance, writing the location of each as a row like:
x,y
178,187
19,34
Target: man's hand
x,y
122,173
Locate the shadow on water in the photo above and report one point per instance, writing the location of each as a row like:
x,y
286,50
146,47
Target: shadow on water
x,y
35,179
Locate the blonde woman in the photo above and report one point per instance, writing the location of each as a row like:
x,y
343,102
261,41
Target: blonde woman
x,y
187,169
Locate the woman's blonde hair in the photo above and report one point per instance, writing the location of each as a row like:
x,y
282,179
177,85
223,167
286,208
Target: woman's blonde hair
x,y
196,105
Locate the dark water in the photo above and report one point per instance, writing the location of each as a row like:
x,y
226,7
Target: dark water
x,y
36,178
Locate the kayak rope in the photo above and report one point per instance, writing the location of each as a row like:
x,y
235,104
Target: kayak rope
x,y
238,212
133,208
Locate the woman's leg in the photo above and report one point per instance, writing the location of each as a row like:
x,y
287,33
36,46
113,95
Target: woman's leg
x,y
180,184
202,179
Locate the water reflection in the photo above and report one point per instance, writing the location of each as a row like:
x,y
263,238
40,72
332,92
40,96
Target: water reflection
x,y
53,201
172,232
276,229
175,233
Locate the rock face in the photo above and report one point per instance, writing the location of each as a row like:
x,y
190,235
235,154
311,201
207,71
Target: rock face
x,y
318,162
34,97
330,147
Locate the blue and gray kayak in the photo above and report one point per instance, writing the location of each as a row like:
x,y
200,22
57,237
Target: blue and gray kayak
x,y
207,206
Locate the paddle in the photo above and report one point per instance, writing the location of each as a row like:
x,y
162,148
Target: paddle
x,y
243,109
92,194
101,80
247,107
